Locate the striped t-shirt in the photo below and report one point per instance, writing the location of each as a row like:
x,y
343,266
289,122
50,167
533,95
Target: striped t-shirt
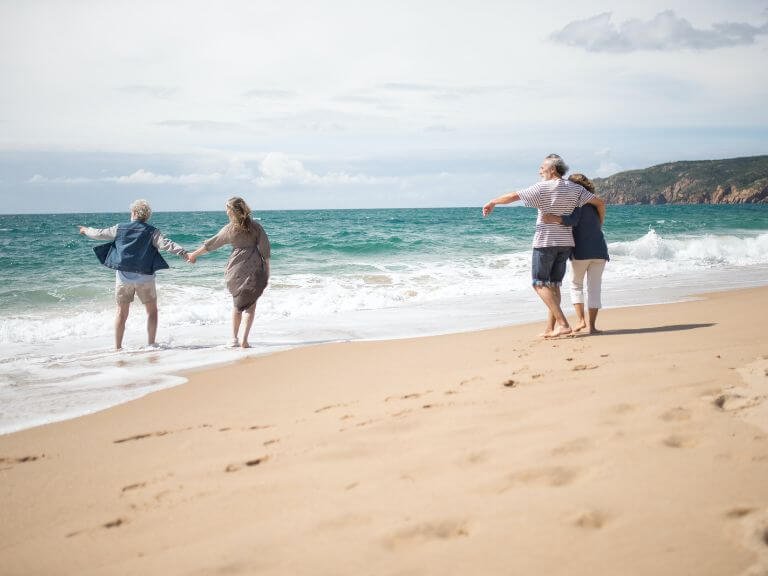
x,y
558,197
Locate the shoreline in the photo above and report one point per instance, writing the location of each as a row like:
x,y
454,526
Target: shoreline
x,y
636,452
111,379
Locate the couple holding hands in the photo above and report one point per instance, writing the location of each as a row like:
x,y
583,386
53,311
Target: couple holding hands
x,y
134,253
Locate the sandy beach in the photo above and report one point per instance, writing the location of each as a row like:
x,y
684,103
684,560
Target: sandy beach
x,y
642,451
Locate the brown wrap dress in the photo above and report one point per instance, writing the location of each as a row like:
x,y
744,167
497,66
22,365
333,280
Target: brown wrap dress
x,y
247,271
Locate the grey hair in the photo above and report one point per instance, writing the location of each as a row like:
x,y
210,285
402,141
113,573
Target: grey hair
x,y
140,208
555,161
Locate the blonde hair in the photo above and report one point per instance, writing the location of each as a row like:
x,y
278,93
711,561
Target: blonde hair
x,y
582,181
239,213
140,208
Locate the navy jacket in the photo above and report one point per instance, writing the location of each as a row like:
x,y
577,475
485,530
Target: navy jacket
x,y
587,234
132,250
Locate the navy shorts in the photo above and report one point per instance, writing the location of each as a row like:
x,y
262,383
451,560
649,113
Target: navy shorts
x,y
548,265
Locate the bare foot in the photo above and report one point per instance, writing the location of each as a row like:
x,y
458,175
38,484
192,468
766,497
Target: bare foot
x,y
560,331
245,344
580,327
233,343
545,334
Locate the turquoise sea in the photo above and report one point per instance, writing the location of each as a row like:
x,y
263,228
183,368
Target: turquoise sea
x,y
336,275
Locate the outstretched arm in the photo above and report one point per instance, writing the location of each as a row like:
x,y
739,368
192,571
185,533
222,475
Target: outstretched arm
x,y
504,199
211,244
98,233
166,244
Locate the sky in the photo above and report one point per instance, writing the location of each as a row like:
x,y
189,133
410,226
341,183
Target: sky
x,y
360,104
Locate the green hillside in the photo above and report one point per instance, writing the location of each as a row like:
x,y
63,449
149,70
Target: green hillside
x,y
731,181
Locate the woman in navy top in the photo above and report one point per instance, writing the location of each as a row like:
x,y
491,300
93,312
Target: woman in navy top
x,y
589,257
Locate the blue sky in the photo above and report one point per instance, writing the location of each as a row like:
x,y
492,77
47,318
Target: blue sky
x,y
361,104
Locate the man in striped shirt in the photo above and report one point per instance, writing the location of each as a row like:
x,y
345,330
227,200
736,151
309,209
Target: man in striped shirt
x,y
552,243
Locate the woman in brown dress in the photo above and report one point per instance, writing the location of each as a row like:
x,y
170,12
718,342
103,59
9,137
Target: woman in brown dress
x,y
247,271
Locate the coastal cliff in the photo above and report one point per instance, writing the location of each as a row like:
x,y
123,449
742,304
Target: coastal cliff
x,y
730,181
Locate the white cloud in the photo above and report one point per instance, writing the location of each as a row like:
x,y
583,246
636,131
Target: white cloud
x,y
270,94
161,92
40,179
665,31
273,170
278,169
202,125
607,166
140,176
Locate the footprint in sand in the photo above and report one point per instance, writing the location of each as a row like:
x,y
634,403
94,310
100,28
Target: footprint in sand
x,y
141,436
755,537
677,414
21,459
622,408
474,458
555,476
473,380
739,512
133,486
330,407
732,402
345,521
591,520
582,367
572,447
428,532
411,396
676,441
249,463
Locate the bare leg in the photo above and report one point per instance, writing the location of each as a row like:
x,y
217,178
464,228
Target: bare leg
x,y
593,320
120,318
250,313
550,326
579,269
237,316
151,321
580,316
551,297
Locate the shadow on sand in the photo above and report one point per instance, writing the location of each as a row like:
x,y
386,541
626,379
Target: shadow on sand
x,y
670,328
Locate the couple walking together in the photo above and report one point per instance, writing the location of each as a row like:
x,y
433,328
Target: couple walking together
x,y
134,253
569,225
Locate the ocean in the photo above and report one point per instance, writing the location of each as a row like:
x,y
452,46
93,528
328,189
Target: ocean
x,y
337,275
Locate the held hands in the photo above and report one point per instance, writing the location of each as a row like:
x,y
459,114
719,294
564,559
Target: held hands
x,y
81,230
488,208
191,258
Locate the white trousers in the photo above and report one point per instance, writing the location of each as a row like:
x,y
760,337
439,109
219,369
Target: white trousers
x,y
593,270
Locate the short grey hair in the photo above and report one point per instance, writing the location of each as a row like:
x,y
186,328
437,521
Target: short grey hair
x,y
555,161
140,208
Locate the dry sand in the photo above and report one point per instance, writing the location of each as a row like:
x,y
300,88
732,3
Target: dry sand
x,y
636,452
